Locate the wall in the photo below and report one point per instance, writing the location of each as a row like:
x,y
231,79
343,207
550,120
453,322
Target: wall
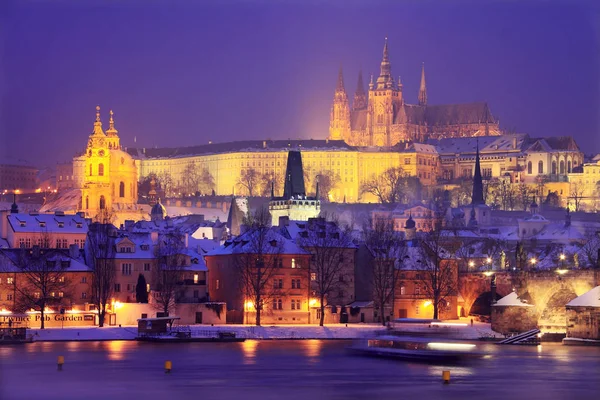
x,y
583,322
517,319
128,313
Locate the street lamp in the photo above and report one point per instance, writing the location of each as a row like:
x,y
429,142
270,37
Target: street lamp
x,y
533,261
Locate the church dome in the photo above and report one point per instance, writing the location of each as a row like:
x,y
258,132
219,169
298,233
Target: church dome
x,y
158,212
410,223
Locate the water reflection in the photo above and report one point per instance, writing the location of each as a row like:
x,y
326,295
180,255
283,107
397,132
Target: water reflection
x,y
73,346
312,349
461,371
115,350
249,348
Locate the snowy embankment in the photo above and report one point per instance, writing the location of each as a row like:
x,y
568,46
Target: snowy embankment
x,y
352,331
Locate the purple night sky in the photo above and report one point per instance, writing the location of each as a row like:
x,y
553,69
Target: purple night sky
x,y
180,73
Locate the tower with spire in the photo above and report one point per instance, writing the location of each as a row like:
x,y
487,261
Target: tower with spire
x,y
294,204
339,125
478,212
360,98
423,88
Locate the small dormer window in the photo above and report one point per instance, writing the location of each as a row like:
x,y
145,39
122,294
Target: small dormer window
x,y
79,225
22,224
144,247
61,224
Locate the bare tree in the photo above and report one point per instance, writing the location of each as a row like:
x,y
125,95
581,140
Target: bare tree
x,y
388,187
540,183
328,244
463,192
590,250
165,181
576,194
384,245
190,180
525,195
328,180
168,275
506,194
249,180
439,277
100,253
270,180
206,181
41,280
257,262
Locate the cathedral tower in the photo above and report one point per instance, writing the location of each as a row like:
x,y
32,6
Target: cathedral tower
x,y
385,100
360,98
339,125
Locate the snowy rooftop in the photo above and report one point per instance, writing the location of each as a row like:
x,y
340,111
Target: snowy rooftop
x,y
512,300
486,144
244,244
588,299
51,223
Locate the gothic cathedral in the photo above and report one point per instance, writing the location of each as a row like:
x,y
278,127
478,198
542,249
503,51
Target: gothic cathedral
x,y
384,118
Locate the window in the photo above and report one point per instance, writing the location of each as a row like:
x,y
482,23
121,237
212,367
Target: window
x,y
84,279
117,287
100,169
277,304
529,168
84,295
126,269
61,294
296,305
146,266
10,280
417,310
407,161
36,295
91,168
122,189
196,294
553,167
148,287
278,284
417,290
102,203
217,284
402,290
313,276
540,167
196,278
9,297
293,263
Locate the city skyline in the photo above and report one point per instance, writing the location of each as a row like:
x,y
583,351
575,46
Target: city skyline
x,y
190,74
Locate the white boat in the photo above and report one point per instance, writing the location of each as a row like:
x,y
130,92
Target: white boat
x,y
422,349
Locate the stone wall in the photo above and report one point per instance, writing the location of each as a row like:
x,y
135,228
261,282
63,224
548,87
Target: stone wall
x,y
513,319
583,322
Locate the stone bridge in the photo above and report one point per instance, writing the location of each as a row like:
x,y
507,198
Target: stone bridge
x,y
548,291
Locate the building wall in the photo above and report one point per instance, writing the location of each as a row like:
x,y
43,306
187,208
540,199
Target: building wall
x,y
129,313
22,178
583,322
507,320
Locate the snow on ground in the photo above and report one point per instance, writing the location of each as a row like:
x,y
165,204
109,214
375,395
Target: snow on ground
x,y
337,331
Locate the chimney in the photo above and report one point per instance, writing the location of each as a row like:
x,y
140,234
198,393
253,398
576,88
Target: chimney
x,y
186,238
129,223
264,144
74,251
154,237
514,142
284,220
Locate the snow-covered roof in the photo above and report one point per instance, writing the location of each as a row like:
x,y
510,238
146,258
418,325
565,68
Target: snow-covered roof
x,y
50,223
10,259
244,244
590,298
512,300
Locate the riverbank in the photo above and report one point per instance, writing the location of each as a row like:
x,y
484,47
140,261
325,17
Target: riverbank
x,y
279,332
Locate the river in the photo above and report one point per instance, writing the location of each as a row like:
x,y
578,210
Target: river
x,y
303,369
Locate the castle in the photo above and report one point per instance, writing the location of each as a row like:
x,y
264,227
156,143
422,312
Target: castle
x,y
385,119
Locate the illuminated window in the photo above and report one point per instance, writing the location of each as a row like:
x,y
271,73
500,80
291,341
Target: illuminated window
x,y
122,189
117,287
293,263
195,278
402,290
217,284
313,276
148,287
10,281
100,169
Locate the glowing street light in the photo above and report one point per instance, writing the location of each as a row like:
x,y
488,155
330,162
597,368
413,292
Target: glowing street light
x,y
488,260
471,264
533,261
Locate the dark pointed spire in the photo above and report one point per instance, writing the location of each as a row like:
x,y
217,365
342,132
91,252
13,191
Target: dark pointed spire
x,y
423,88
272,189
477,181
14,209
360,99
317,189
294,176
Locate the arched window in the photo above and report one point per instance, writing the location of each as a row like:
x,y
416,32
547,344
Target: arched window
x,y
121,189
102,203
540,167
91,170
553,167
561,167
87,202
100,169
529,168
569,166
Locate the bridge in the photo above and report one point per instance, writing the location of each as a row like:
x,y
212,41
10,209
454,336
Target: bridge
x,y
548,291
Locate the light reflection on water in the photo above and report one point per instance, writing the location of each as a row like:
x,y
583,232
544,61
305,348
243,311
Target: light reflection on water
x,y
302,369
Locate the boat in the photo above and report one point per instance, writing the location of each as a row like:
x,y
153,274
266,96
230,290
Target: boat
x,y
166,330
416,349
14,336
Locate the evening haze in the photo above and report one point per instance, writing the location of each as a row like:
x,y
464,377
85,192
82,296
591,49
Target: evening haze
x,y
184,73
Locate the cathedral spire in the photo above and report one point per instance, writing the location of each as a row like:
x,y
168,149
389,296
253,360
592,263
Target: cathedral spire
x,y
385,77
111,131
423,88
98,124
360,99
340,82
477,198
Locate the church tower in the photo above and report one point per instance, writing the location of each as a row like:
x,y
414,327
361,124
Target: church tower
x,y
339,125
96,185
423,88
385,100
